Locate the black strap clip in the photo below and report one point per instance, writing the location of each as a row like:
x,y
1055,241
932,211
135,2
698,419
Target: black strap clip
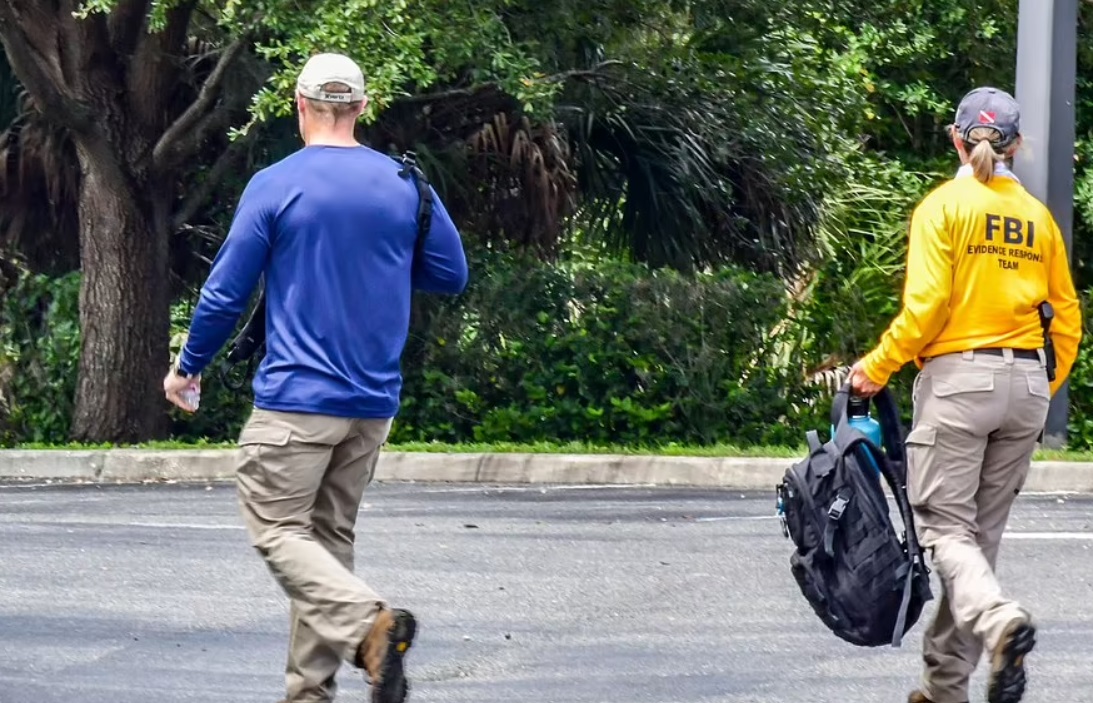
x,y
834,514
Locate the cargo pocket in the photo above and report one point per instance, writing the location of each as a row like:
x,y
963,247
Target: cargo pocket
x,y
921,458
263,458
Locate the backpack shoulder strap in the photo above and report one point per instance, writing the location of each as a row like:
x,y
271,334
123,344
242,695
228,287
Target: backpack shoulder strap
x,y
425,196
814,443
890,426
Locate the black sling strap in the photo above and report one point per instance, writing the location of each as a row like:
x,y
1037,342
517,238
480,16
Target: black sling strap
x,y
253,335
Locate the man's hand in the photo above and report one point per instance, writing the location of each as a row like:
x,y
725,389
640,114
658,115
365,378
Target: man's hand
x,y
174,385
860,383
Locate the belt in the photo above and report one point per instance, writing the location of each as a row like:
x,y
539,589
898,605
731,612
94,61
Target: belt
x,y
1033,354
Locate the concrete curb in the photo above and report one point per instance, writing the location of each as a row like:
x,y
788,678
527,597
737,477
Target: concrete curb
x,y
140,465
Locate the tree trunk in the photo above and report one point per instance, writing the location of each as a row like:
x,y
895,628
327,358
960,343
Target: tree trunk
x,y
123,90
124,306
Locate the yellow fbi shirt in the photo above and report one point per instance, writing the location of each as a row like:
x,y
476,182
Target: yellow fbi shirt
x,y
980,258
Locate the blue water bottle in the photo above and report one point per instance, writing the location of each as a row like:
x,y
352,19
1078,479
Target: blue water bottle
x,y
857,414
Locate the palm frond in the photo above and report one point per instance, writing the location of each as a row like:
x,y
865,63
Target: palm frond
x,y
39,191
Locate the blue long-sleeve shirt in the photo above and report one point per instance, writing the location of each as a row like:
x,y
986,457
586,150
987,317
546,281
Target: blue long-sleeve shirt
x,y
333,230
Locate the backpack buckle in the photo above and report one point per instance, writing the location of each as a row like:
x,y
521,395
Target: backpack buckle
x,y
409,163
838,508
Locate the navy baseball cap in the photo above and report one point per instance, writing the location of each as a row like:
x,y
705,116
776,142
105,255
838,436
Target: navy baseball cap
x,y
989,107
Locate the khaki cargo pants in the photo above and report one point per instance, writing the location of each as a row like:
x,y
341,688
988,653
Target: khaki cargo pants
x,y
300,480
977,418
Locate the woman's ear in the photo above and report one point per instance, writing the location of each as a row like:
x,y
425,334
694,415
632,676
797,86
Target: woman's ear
x,y
958,144
1012,150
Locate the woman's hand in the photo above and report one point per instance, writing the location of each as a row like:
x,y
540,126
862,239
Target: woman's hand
x,y
861,384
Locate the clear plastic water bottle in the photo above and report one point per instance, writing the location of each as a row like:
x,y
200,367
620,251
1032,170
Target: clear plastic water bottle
x,y
191,396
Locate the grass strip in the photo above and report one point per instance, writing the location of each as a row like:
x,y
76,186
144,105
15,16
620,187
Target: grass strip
x,y
716,451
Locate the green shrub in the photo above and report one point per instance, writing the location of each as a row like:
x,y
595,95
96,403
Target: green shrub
x,y
611,353
1080,417
600,353
223,409
608,353
39,362
39,359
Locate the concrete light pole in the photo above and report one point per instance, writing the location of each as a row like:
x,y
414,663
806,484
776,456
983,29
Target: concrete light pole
x,y
1047,38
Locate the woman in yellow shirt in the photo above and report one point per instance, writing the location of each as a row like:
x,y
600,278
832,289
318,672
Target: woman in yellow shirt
x,y
983,256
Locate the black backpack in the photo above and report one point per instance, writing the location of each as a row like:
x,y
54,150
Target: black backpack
x,y
866,583
250,342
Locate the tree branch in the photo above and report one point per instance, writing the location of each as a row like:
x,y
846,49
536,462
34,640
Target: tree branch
x,y
181,137
36,63
153,69
213,122
125,23
198,197
593,72
492,85
86,46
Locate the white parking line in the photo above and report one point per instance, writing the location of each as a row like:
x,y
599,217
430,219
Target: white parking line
x,y
742,518
176,525
530,488
1081,536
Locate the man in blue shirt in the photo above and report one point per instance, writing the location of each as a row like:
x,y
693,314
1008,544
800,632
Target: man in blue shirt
x,y
333,229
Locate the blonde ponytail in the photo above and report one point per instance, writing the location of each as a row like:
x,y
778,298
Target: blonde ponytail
x,y
983,157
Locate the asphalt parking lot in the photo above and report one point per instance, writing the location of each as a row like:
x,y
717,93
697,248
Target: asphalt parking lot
x,y
132,594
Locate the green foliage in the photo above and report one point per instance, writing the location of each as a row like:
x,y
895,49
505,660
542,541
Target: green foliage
x,y
1080,419
402,48
223,410
848,299
670,449
39,326
40,357
719,141
918,58
586,356
604,354
792,136
610,353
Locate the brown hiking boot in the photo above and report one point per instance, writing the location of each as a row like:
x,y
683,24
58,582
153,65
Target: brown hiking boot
x,y
381,653
1008,679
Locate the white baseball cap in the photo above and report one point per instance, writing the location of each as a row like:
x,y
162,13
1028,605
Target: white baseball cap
x,y
331,68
